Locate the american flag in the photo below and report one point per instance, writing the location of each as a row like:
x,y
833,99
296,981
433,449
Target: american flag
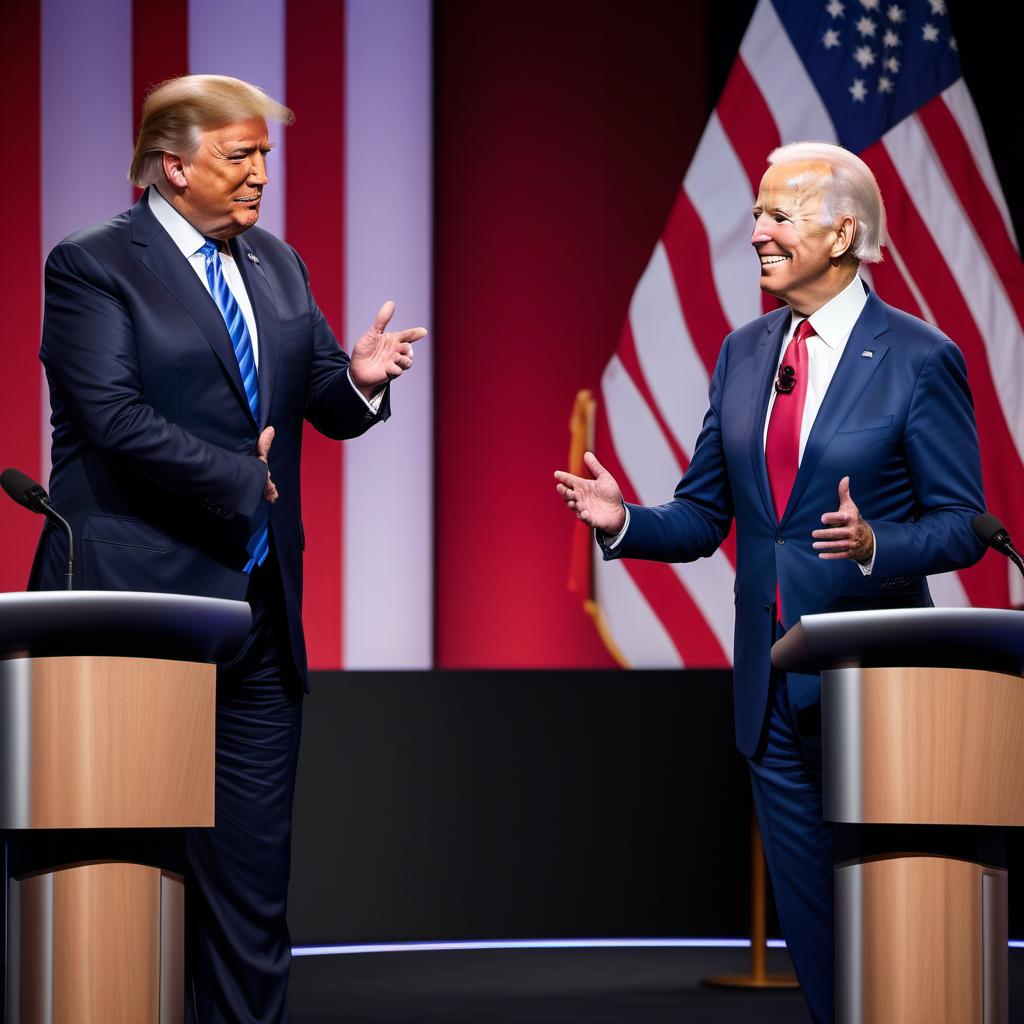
x,y
884,80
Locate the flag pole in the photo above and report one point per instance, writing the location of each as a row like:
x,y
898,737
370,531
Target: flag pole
x,y
758,976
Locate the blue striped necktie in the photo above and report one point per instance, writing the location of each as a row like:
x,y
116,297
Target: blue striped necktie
x,y
259,542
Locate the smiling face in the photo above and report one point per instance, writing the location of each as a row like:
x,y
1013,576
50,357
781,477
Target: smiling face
x,y
801,257
219,187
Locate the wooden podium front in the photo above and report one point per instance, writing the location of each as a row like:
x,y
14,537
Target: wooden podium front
x,y
922,740
107,739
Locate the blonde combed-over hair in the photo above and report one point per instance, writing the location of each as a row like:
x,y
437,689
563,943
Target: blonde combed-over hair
x,y
853,191
178,110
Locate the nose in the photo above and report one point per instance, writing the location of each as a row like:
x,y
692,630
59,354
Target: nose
x,y
257,170
759,235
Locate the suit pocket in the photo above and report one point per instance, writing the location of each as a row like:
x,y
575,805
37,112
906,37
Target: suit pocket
x,y
125,532
874,423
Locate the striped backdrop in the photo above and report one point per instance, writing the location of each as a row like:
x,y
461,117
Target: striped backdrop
x,y
953,261
350,189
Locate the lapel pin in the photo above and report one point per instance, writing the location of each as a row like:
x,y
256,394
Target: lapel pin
x,y
867,354
253,257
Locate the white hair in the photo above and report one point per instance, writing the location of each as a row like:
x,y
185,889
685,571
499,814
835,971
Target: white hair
x,y
852,192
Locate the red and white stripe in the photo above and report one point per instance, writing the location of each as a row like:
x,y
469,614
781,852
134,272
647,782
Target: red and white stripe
x,y
350,188
953,261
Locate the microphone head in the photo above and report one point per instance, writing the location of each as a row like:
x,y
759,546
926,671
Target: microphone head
x,y
25,491
991,532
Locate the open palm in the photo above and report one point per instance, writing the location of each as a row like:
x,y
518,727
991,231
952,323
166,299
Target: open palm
x,y
597,502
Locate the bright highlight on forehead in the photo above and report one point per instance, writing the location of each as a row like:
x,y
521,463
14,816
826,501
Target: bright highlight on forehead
x,y
796,181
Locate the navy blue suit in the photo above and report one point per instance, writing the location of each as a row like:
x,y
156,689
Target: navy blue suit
x,y
154,466
899,421
153,442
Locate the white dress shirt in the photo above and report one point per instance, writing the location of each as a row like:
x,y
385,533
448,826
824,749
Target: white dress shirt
x,y
833,324
189,241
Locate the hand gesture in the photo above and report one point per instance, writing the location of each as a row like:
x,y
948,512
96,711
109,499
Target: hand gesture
x,y
263,454
381,355
849,536
597,502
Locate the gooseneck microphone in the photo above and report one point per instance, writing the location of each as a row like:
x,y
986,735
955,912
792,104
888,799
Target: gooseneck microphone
x,y
25,491
994,534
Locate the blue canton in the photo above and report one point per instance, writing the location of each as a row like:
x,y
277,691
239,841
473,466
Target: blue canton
x,y
874,62
259,542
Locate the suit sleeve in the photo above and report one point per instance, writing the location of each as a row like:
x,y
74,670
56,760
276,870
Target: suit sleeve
x,y
941,447
697,520
89,351
333,405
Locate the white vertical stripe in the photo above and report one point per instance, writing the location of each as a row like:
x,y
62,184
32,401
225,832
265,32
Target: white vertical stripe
x,y
86,100
637,631
928,188
947,591
776,67
673,370
958,99
246,41
719,190
908,277
653,471
388,490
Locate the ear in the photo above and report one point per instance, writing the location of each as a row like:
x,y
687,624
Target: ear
x,y
174,170
846,231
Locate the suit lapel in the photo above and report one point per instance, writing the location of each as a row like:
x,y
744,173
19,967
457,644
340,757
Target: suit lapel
x,y
766,359
852,376
164,260
268,321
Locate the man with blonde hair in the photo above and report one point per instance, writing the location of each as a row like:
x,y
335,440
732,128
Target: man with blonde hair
x,y
183,351
835,395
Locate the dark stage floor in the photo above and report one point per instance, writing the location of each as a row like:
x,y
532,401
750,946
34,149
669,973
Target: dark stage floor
x,y
597,986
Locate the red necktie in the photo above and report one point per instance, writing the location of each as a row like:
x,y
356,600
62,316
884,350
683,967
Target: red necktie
x,y
782,448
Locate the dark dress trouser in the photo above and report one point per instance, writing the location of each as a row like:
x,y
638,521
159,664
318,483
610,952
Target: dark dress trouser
x,y
238,950
799,844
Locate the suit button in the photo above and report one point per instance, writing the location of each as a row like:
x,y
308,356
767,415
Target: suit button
x,y
780,540
767,607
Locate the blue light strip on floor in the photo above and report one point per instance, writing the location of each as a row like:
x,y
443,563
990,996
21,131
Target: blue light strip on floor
x,y
434,947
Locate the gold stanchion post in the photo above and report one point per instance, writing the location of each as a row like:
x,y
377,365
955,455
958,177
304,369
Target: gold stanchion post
x,y
758,976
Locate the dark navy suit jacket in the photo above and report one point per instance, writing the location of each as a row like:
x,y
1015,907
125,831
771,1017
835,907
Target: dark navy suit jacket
x,y
899,422
154,445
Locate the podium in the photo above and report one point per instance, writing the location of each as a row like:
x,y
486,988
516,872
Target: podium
x,y
923,764
107,744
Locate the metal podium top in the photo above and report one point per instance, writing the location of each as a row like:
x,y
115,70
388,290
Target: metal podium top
x,y
181,627
981,638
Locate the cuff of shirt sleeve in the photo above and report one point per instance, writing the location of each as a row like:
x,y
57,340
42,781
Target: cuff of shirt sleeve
x,y
373,404
612,544
866,567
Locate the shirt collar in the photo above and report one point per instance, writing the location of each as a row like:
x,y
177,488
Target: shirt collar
x,y
187,238
834,321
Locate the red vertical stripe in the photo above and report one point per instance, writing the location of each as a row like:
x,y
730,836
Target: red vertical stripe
x,y
314,215
20,411
159,48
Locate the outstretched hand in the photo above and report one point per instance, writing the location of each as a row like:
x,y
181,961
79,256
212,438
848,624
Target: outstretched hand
x,y
263,454
381,355
847,536
597,502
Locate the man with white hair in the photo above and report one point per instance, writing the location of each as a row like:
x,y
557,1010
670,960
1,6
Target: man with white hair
x,y
183,350
836,396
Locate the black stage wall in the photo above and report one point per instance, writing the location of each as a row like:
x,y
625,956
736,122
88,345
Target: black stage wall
x,y
476,804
